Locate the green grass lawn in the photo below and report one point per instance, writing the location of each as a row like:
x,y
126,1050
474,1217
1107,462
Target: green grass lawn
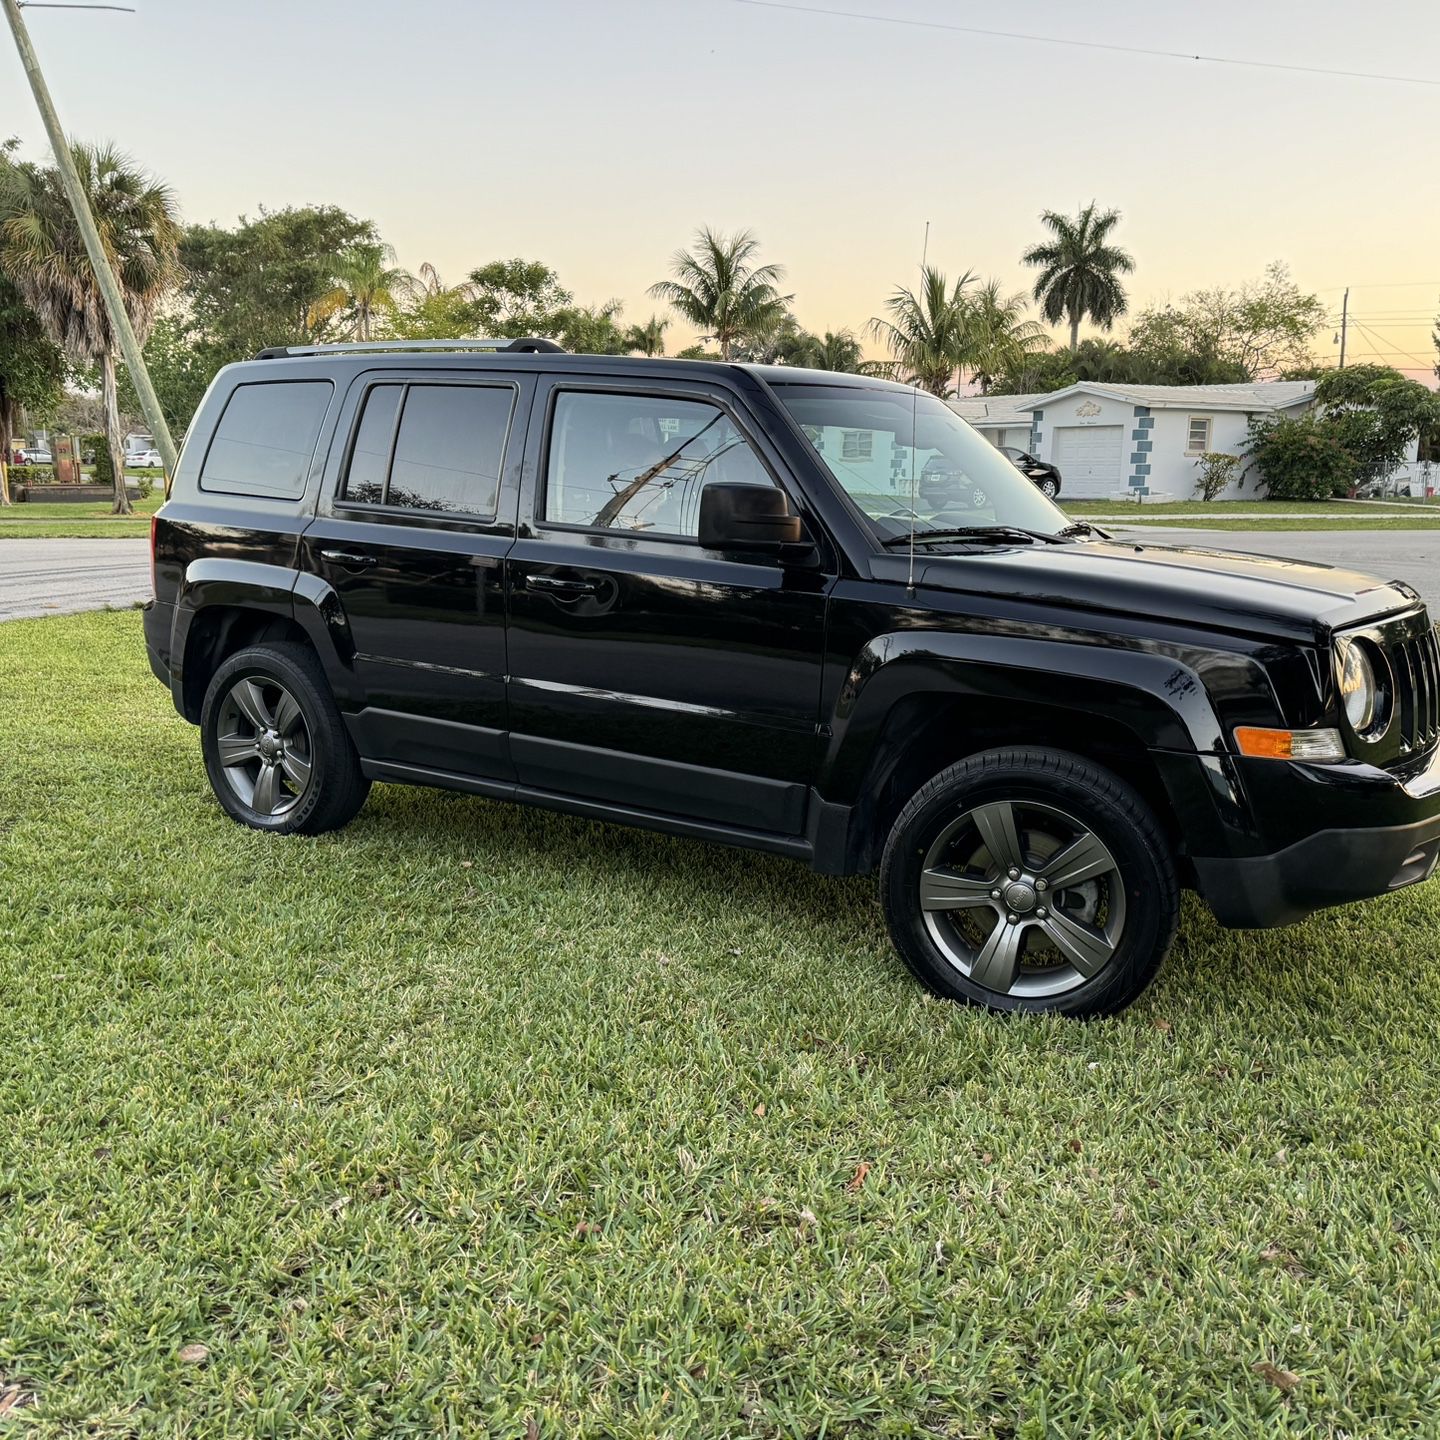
x,y
42,520
1281,522
480,1121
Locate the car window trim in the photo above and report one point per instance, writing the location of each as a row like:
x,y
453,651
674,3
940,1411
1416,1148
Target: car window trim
x,y
649,391
340,502
309,470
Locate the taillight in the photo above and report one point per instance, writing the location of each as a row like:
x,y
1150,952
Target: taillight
x,y
155,589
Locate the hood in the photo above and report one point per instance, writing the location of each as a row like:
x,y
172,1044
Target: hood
x,y
1217,589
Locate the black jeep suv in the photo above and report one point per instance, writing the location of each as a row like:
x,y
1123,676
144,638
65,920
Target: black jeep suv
x,y
711,599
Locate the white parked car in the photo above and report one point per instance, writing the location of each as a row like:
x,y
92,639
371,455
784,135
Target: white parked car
x,y
37,457
144,460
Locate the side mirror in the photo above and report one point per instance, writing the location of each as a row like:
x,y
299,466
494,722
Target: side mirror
x,y
749,517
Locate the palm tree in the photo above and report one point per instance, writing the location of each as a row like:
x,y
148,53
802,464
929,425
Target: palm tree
x,y
1004,340
648,339
930,332
42,252
720,289
835,350
367,283
1078,270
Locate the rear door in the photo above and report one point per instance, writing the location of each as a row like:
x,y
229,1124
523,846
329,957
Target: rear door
x,y
647,672
413,525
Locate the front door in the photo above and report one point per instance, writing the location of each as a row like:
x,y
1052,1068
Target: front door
x,y
411,538
645,671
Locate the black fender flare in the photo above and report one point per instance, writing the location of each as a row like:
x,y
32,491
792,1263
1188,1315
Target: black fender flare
x,y
259,589
1157,697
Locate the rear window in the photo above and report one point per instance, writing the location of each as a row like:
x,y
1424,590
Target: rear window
x,y
444,455
266,439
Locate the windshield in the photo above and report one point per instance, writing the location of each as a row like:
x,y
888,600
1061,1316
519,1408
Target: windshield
x,y
898,454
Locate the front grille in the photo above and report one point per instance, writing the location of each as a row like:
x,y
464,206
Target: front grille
x,y
1415,663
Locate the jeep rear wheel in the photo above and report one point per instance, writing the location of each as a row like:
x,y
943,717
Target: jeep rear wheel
x,y
276,750
1030,880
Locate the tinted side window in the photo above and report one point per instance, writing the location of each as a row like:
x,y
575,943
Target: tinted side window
x,y
639,462
370,457
266,438
444,456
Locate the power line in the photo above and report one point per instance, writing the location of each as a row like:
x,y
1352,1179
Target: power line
x,y
1085,44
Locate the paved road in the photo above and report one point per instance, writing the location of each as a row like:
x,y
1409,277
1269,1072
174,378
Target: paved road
x,y
1410,555
54,577
49,577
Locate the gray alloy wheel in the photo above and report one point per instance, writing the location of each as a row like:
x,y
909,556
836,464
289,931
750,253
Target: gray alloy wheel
x,y
1048,488
264,745
1022,899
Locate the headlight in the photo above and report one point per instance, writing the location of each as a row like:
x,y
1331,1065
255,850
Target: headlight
x,y
1359,692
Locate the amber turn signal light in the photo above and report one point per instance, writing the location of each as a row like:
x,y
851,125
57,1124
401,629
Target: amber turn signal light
x,y
1289,744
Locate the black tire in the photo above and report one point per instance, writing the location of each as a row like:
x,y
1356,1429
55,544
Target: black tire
x,y
1047,487
334,788
1120,921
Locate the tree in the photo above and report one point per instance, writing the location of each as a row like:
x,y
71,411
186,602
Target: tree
x,y
429,309
180,370
1079,270
32,371
838,351
929,332
1260,329
514,298
1002,338
42,252
1377,412
649,338
259,284
368,284
721,290
592,329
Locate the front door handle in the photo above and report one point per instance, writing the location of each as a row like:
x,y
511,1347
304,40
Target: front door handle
x,y
557,585
349,558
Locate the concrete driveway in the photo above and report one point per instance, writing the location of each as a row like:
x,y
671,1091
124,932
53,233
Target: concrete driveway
x,y
56,577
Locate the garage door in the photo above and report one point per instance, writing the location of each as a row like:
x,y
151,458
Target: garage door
x,y
1088,457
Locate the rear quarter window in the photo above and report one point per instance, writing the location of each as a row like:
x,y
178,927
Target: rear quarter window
x,y
266,438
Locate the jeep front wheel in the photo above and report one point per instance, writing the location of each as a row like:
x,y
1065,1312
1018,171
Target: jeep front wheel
x,y
1028,879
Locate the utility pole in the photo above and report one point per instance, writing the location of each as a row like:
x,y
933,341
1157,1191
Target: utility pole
x,y
105,277
1344,321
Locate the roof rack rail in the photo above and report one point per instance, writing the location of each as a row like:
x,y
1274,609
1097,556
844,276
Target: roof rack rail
x,y
528,345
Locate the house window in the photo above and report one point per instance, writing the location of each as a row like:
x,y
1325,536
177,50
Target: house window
x,y
856,444
1197,440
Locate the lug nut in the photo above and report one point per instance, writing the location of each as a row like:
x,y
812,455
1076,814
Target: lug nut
x,y
1014,873
1009,919
1042,884
1041,913
994,894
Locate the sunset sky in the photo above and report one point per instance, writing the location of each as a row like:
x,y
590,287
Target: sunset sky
x,y
597,134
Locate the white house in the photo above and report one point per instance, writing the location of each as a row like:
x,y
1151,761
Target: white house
x,y
1108,440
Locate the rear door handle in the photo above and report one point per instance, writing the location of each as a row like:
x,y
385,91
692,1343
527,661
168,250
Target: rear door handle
x,y
556,585
348,557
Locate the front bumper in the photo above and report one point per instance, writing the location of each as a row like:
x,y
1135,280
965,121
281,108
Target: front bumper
x,y
1366,832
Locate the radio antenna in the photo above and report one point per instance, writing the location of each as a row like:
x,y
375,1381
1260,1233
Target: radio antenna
x,y
915,428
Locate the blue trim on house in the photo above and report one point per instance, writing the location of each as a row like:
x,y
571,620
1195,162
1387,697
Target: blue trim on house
x,y
1141,446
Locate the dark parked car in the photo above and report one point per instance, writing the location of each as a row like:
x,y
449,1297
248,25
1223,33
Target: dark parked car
x,y
1044,474
710,599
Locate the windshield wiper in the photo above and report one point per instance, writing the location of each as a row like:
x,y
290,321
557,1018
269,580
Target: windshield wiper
x,y
1004,534
1081,527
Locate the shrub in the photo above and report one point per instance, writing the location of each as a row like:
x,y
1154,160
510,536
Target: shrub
x,y
31,474
99,447
1301,459
1216,473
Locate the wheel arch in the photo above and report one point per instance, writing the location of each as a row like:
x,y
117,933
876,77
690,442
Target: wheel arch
x,y
913,704
226,605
